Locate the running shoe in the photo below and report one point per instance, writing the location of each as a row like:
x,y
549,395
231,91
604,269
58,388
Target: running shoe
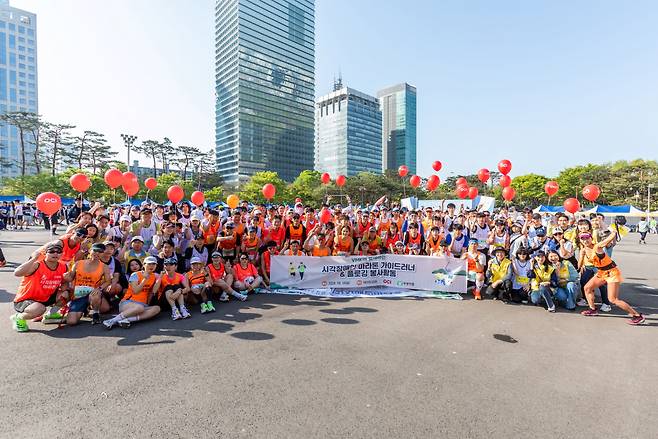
x,y
589,312
551,308
184,312
125,323
52,316
19,325
605,307
210,306
109,323
204,308
95,318
240,297
582,302
175,314
636,320
477,295
223,297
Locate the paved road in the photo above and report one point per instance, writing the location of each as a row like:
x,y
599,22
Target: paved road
x,y
290,367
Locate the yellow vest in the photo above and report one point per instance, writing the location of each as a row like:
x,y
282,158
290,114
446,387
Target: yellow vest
x,y
541,275
498,271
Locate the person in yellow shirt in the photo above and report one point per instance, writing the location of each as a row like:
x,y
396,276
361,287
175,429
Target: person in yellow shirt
x,y
499,276
540,280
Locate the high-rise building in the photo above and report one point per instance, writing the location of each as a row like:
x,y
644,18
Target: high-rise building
x,y
265,87
18,80
348,132
398,105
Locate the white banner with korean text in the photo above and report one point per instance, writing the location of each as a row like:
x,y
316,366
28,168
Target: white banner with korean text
x,y
430,273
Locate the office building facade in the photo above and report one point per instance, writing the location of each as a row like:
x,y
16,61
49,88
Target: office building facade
x,y
398,105
265,87
18,82
348,132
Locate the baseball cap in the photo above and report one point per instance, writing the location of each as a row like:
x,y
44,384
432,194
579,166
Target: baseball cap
x,y
540,231
557,230
195,260
372,229
170,261
216,254
230,225
499,249
472,241
54,244
98,248
137,238
125,218
397,243
150,260
252,229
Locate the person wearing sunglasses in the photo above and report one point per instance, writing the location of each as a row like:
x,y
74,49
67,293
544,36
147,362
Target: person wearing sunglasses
x,y
41,285
246,276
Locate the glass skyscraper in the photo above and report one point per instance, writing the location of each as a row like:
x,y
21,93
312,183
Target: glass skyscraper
x,y
18,80
348,133
398,105
265,87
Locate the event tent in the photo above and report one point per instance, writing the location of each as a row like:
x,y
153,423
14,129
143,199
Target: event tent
x,y
548,209
625,210
21,198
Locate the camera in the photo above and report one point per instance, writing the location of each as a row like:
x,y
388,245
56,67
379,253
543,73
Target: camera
x,y
620,220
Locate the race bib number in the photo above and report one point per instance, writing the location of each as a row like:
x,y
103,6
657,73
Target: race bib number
x,y
82,291
523,280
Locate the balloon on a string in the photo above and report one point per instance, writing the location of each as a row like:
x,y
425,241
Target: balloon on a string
x,y
483,175
505,181
403,171
325,216
551,188
591,192
175,194
269,190
461,181
509,193
472,192
340,180
80,182
433,182
437,166
571,205
325,178
462,191
151,183
414,181
197,198
49,203
504,166
232,201
113,178
130,188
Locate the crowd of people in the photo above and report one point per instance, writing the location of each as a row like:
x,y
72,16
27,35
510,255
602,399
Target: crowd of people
x,y
137,261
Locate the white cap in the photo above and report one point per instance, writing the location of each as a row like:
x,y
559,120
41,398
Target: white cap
x,y
150,260
195,260
125,218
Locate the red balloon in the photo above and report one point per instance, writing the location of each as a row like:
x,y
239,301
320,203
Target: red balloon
x,y
130,188
325,178
483,175
414,181
505,181
571,205
129,177
472,192
509,193
197,198
49,203
551,188
461,181
325,216
175,194
504,166
462,191
437,166
340,180
113,178
432,183
591,192
269,190
151,183
403,171
80,182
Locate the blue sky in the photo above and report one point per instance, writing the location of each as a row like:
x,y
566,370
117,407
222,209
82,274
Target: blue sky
x,y
544,83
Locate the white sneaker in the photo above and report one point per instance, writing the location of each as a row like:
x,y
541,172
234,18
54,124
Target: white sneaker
x,y
605,307
240,297
109,323
582,302
551,308
175,314
185,313
125,323
223,297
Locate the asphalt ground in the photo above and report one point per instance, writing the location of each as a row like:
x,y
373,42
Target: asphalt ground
x,y
302,367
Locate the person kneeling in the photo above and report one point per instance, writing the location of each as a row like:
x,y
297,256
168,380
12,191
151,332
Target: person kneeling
x,y
540,275
198,286
134,306
246,276
564,280
174,287
499,274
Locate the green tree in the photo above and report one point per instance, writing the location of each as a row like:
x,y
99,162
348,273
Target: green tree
x,y
56,138
215,194
185,158
252,190
150,148
305,187
24,122
530,189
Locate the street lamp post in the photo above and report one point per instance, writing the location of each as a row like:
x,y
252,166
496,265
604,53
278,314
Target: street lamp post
x,y
649,187
128,141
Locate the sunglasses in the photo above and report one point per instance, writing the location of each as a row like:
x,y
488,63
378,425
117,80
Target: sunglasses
x,y
54,252
244,258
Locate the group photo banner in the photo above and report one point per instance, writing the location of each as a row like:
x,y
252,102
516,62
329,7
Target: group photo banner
x,y
429,273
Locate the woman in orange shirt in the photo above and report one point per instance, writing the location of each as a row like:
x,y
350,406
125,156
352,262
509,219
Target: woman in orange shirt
x,y
343,243
246,276
89,277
